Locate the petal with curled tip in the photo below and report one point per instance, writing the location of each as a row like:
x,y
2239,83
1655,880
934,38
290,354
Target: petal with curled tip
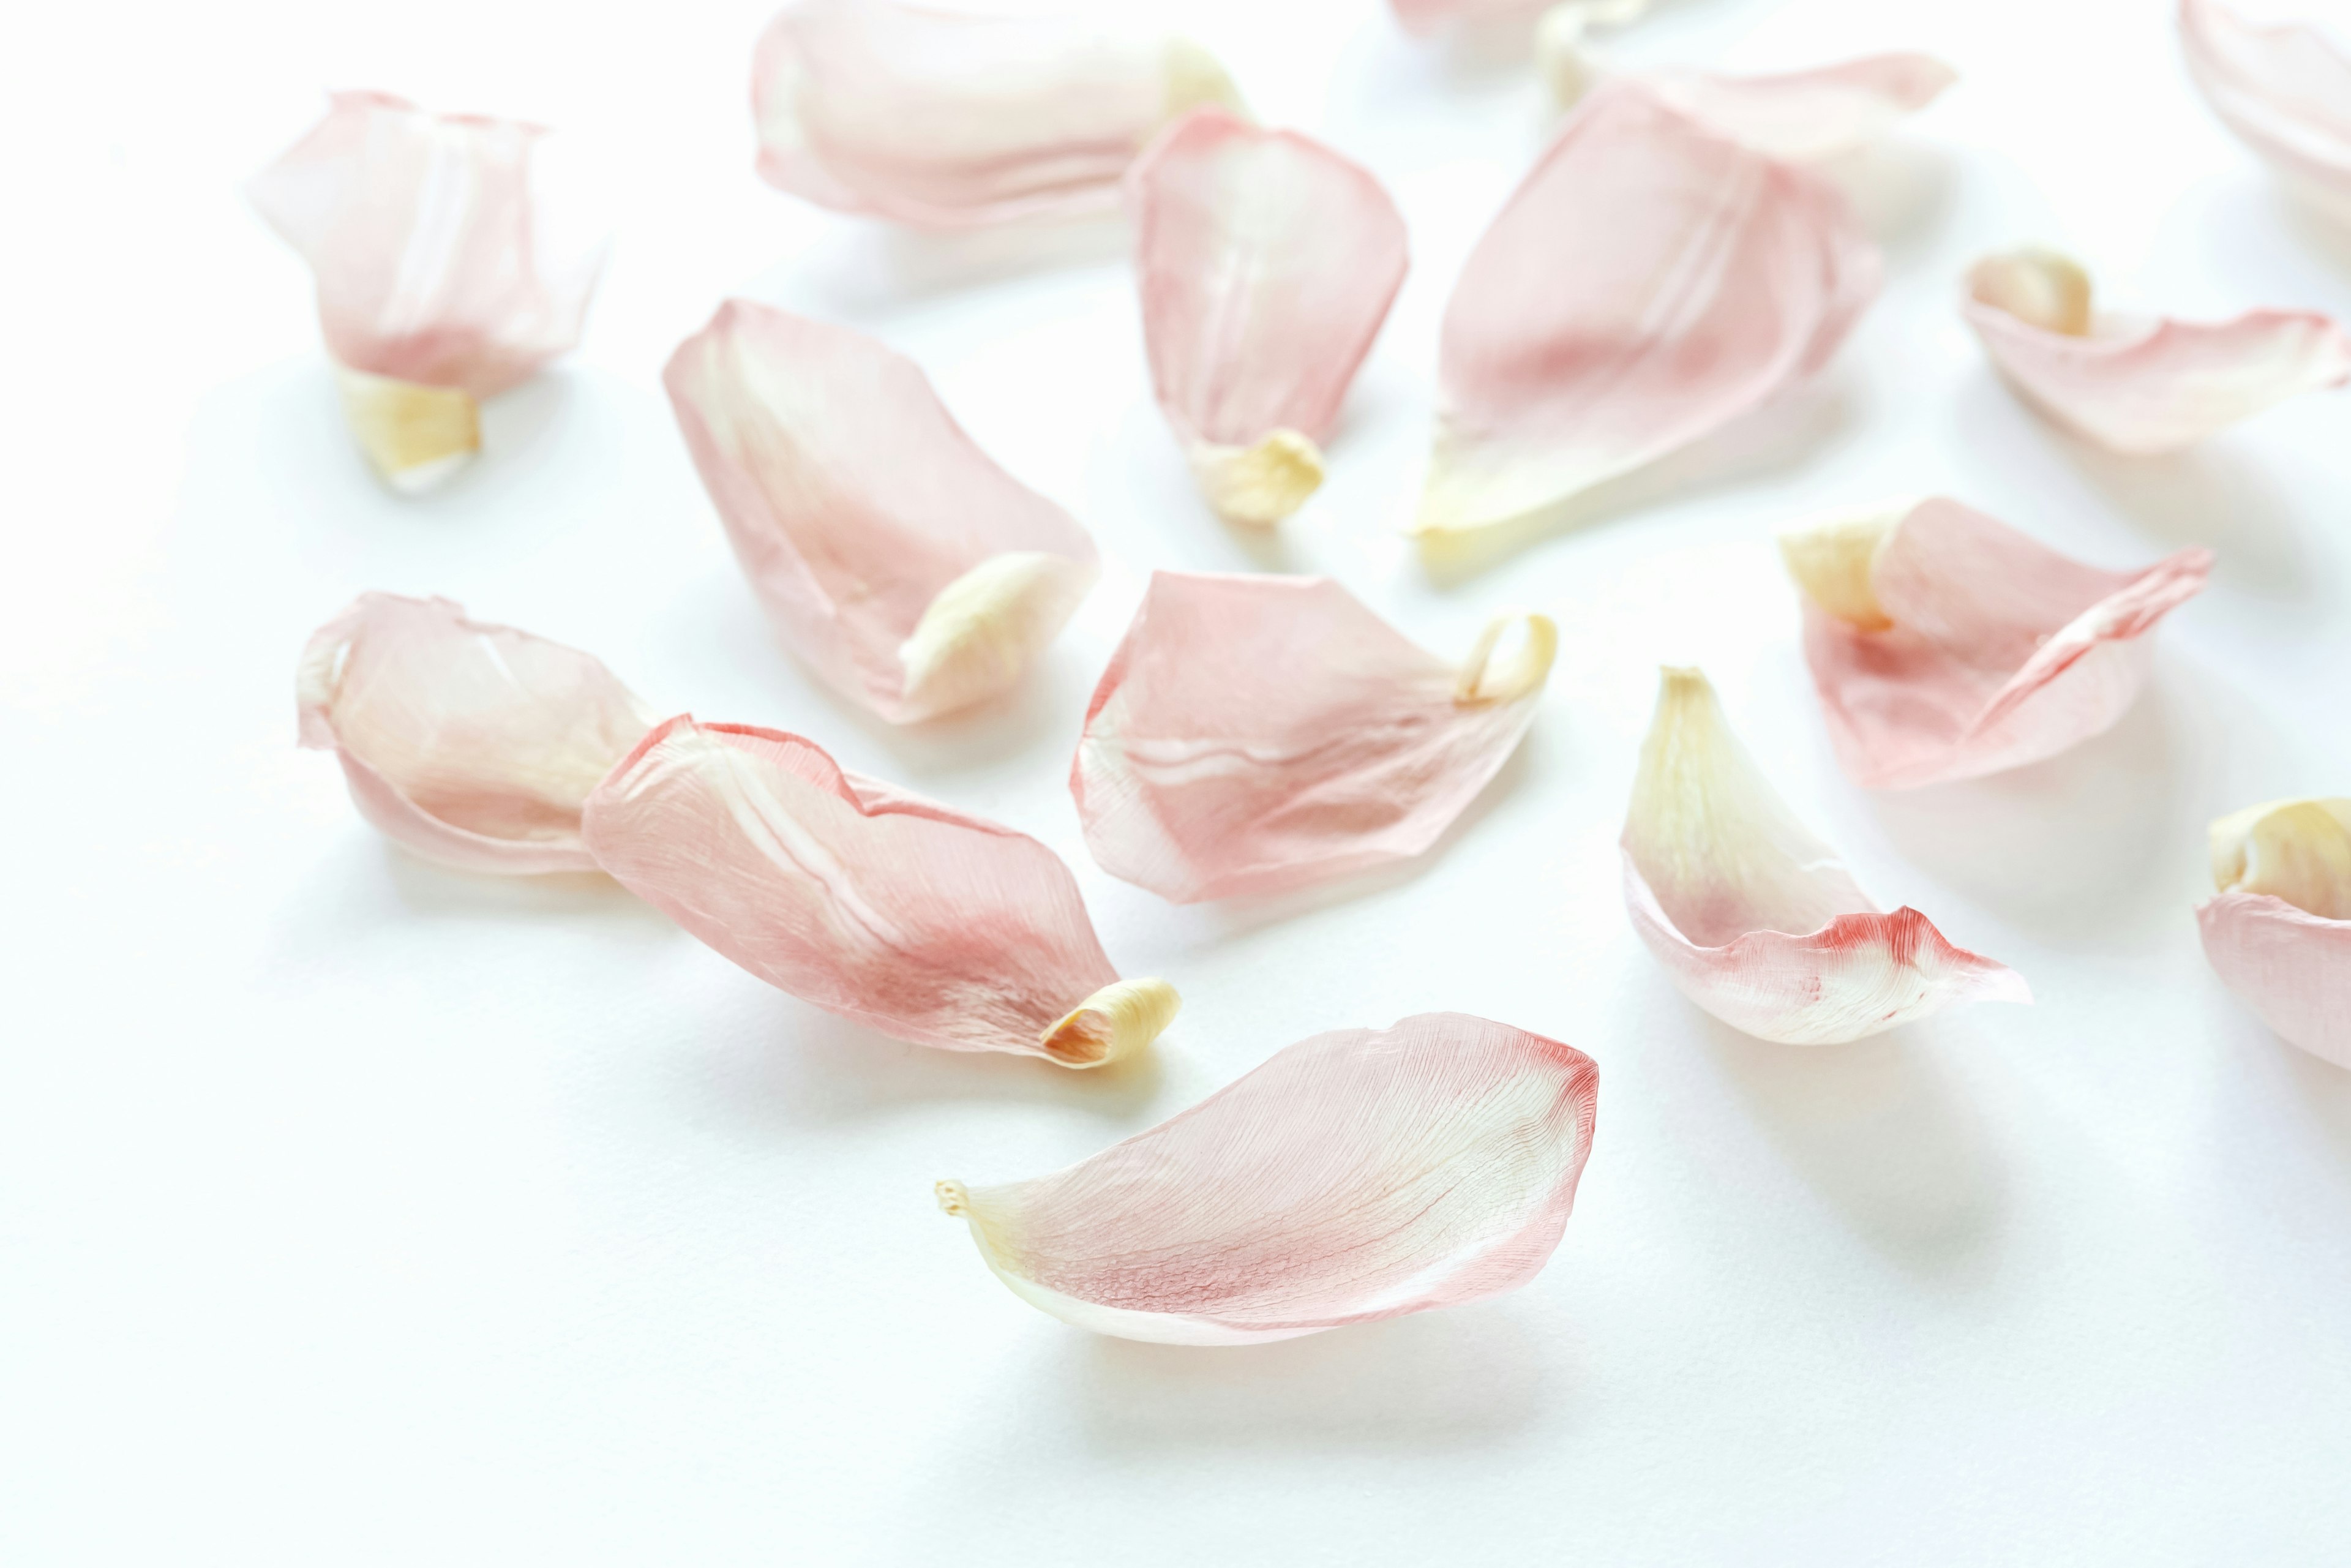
x,y
944,118
865,900
1649,281
2286,91
1257,734
2141,385
890,553
1266,263
472,743
1945,645
1755,919
2279,933
1356,1175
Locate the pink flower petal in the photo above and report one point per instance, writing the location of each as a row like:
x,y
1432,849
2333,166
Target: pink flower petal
x,y
1650,281
945,118
890,553
1255,735
2139,386
865,900
1356,1175
472,743
1799,117
1755,919
1266,263
1985,650
2285,90
2289,966
1423,16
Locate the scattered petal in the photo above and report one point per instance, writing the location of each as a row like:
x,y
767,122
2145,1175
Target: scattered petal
x,y
1356,1175
947,118
472,743
2285,90
1756,920
1255,735
1948,645
1266,263
866,900
1650,281
1423,16
2137,384
891,554
2279,933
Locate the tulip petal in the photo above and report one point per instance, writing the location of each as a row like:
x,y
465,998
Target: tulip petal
x,y
1423,16
866,900
1650,281
1356,1175
890,553
947,119
1755,919
472,743
2279,933
2141,385
2285,90
1257,734
1945,645
1266,263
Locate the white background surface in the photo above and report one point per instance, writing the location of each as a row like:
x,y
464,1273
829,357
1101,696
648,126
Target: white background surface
x,y
354,1211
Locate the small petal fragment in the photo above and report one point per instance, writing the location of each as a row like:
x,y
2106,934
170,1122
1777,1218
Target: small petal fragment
x,y
947,119
1255,735
1266,263
2285,91
447,270
865,900
1357,1175
1945,645
2279,933
1650,281
2135,384
891,554
1756,920
472,743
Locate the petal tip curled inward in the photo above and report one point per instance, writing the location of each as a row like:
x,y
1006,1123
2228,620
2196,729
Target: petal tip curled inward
x,y
2278,932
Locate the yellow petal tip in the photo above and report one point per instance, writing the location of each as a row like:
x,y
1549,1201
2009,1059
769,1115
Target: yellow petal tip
x,y
1115,1021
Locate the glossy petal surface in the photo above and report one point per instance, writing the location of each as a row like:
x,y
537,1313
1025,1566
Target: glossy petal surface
x,y
2286,91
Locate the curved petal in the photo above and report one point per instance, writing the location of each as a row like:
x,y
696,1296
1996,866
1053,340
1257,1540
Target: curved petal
x,y
1945,645
1266,263
1357,1175
1650,281
1756,920
473,743
2141,386
866,900
890,553
2285,90
2279,934
945,118
1255,735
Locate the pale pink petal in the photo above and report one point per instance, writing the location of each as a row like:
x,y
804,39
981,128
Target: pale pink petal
x,y
1968,647
1427,16
2285,90
1266,263
944,118
1255,735
890,553
2135,384
866,900
2279,934
473,743
1755,919
1650,281
1357,1175
1800,116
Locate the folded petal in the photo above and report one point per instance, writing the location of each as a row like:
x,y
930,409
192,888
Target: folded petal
x,y
473,743
1650,280
1948,645
447,270
1757,921
888,552
1266,264
1255,735
945,118
1357,1175
2285,90
2135,384
2279,933
866,900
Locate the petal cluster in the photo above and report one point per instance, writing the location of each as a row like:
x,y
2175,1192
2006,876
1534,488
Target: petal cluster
x,y
2279,931
1357,1175
1945,645
1755,919
2285,91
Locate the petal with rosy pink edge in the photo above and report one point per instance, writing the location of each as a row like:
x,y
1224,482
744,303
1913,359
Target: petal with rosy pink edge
x,y
2279,933
1799,117
2286,91
1355,1175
